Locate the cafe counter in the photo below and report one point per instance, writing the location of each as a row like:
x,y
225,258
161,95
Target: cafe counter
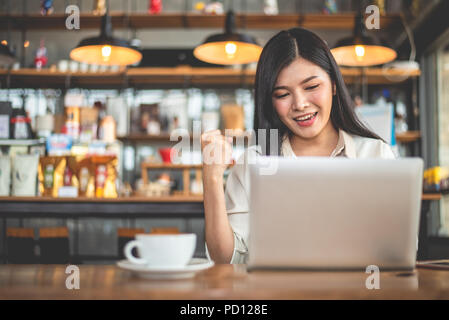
x,y
183,207
171,206
18,211
129,207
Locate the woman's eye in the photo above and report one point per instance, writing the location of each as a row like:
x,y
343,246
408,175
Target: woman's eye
x,y
312,87
280,96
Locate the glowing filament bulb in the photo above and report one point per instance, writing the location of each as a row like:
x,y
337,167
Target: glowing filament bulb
x,y
106,52
231,49
359,52
4,42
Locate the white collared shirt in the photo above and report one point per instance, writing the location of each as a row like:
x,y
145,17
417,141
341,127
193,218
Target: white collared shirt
x,y
237,184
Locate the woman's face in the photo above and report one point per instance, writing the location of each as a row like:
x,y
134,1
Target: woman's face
x,y
302,97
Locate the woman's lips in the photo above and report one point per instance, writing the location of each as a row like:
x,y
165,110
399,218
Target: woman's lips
x,y
308,122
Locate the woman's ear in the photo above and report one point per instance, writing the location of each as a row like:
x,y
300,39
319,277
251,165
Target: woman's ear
x,y
334,89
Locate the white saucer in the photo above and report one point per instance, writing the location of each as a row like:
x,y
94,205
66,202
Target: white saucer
x,y
195,265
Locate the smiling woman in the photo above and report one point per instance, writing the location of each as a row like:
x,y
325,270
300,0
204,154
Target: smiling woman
x,y
301,96
298,76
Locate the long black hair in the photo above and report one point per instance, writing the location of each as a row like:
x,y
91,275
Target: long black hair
x,y
279,52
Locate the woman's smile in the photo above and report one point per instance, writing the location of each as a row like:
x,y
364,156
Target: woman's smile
x,y
306,120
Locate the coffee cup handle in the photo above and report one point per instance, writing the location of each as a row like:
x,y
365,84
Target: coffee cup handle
x,y
129,255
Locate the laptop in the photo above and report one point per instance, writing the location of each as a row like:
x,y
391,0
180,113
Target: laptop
x,y
334,213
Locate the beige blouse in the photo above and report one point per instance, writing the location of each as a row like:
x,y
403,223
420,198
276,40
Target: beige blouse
x,y
237,185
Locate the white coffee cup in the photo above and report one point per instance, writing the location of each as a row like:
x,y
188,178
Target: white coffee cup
x,y
162,250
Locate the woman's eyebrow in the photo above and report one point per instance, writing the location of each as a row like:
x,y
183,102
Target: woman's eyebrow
x,y
302,82
308,79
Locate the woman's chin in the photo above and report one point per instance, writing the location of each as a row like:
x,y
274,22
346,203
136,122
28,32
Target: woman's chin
x,y
306,133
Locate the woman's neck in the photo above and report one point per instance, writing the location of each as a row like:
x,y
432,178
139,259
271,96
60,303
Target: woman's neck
x,y
320,146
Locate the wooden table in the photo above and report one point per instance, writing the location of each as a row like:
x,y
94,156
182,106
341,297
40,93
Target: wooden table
x,y
220,282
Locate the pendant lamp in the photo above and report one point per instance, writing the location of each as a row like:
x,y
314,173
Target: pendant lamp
x,y
105,49
361,49
229,47
6,56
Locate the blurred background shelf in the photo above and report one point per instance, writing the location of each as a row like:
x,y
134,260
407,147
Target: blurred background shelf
x,y
166,138
408,136
343,21
139,199
171,166
431,196
180,77
404,137
141,137
21,142
132,199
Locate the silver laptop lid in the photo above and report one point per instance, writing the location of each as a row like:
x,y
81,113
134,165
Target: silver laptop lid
x,y
332,213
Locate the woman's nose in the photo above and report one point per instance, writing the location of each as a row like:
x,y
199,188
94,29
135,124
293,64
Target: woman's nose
x,y
300,103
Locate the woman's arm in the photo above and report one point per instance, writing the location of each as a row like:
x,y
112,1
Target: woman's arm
x,y
217,152
219,234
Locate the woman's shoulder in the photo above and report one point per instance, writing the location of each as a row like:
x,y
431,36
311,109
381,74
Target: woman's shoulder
x,y
364,147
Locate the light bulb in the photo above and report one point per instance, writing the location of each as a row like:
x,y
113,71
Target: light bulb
x,y
106,52
360,51
231,49
4,42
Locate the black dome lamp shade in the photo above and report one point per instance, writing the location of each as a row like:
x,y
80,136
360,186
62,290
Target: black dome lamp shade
x,y
6,56
105,49
362,50
230,47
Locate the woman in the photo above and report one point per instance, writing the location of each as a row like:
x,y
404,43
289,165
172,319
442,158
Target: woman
x,y
299,91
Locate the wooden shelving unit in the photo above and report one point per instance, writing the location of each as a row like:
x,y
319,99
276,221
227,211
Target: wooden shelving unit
x,y
21,142
378,75
181,77
185,168
137,137
140,199
132,199
171,166
184,76
408,136
56,21
404,137
165,138
431,196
